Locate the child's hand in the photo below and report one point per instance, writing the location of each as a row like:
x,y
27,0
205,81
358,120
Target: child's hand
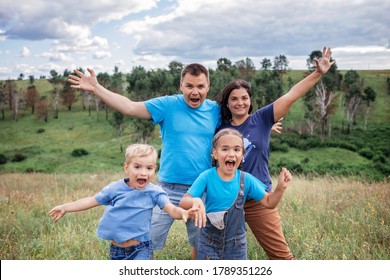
x,y
285,178
186,214
196,215
199,217
57,213
192,213
200,214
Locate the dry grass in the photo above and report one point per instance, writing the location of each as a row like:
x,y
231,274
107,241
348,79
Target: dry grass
x,y
323,219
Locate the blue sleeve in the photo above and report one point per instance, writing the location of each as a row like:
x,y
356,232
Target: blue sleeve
x,y
162,199
105,196
255,189
199,186
265,116
157,107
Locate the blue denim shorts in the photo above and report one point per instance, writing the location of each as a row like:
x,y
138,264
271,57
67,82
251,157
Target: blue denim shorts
x,y
162,222
141,251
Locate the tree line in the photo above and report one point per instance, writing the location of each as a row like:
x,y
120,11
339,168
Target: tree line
x,y
141,84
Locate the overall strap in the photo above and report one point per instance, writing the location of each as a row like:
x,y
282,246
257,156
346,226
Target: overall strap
x,y
242,182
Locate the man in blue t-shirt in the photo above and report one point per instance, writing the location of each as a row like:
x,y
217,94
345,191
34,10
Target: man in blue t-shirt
x,y
187,124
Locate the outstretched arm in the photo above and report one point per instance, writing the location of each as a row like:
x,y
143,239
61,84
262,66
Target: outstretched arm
x,y
116,101
181,214
272,200
283,104
190,202
79,205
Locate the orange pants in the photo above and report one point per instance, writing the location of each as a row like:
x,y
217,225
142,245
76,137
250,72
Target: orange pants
x,y
266,225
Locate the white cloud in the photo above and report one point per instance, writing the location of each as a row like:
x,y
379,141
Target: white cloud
x,y
81,45
362,50
46,68
254,28
55,56
102,54
151,33
25,52
120,62
2,35
61,18
4,71
362,57
24,68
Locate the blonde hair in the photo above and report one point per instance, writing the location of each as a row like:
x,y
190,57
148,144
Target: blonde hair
x,y
140,150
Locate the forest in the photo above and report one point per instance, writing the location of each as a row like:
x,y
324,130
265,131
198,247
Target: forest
x,y
346,111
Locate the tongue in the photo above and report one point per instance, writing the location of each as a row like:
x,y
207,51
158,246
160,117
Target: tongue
x,y
141,181
230,164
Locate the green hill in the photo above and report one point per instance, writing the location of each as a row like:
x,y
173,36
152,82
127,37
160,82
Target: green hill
x,y
32,145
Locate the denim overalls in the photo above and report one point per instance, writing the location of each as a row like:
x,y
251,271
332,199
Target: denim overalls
x,y
227,241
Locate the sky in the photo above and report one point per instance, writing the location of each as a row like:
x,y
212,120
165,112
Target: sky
x,y
43,35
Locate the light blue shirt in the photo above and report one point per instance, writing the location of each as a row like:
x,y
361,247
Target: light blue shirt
x,y
186,136
221,194
129,211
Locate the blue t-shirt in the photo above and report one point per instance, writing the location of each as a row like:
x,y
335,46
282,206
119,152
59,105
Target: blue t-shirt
x,y
220,194
186,136
256,131
129,211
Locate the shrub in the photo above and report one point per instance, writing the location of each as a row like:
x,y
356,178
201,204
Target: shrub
x,y
379,158
347,146
18,157
3,159
40,130
293,166
281,147
305,160
383,168
79,152
367,153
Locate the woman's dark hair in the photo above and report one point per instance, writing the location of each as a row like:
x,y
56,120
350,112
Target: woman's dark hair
x,y
223,98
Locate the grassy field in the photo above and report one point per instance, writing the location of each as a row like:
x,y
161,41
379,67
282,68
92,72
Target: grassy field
x,y
47,147
323,218
51,150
